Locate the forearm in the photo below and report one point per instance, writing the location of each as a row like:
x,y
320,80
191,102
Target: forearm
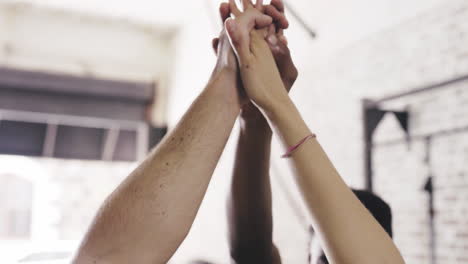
x,y
151,212
250,216
338,216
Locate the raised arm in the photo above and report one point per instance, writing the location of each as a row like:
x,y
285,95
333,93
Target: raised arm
x,y
148,216
338,216
249,205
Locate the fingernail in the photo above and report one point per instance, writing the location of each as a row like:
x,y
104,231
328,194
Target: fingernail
x,y
272,39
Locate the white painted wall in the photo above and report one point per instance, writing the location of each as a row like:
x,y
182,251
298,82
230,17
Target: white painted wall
x,y
64,41
61,41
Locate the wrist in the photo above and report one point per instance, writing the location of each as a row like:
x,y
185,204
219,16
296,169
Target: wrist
x,y
252,118
223,86
287,121
224,72
280,108
260,131
276,103
251,125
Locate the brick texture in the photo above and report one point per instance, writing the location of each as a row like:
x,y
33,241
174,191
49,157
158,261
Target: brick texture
x,y
425,50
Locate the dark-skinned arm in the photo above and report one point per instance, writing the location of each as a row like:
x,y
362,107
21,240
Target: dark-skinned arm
x,y
250,203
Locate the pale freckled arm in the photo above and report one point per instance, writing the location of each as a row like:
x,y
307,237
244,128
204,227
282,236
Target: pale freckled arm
x,y
149,215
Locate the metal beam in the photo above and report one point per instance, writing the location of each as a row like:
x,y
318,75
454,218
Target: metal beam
x,y
435,134
74,105
431,87
49,141
42,82
300,20
429,188
63,136
64,116
142,142
371,119
403,118
110,143
372,116
68,120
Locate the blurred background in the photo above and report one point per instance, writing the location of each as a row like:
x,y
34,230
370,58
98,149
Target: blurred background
x,y
88,87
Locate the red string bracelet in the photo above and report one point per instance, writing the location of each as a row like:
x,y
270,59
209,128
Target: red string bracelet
x,y
291,150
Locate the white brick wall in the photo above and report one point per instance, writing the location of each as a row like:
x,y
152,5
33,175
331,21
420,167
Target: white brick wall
x,y
428,49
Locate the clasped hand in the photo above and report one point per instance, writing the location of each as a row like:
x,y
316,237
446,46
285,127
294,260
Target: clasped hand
x,y
253,47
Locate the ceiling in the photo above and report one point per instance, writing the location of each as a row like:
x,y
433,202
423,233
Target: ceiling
x,y
147,11
338,22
